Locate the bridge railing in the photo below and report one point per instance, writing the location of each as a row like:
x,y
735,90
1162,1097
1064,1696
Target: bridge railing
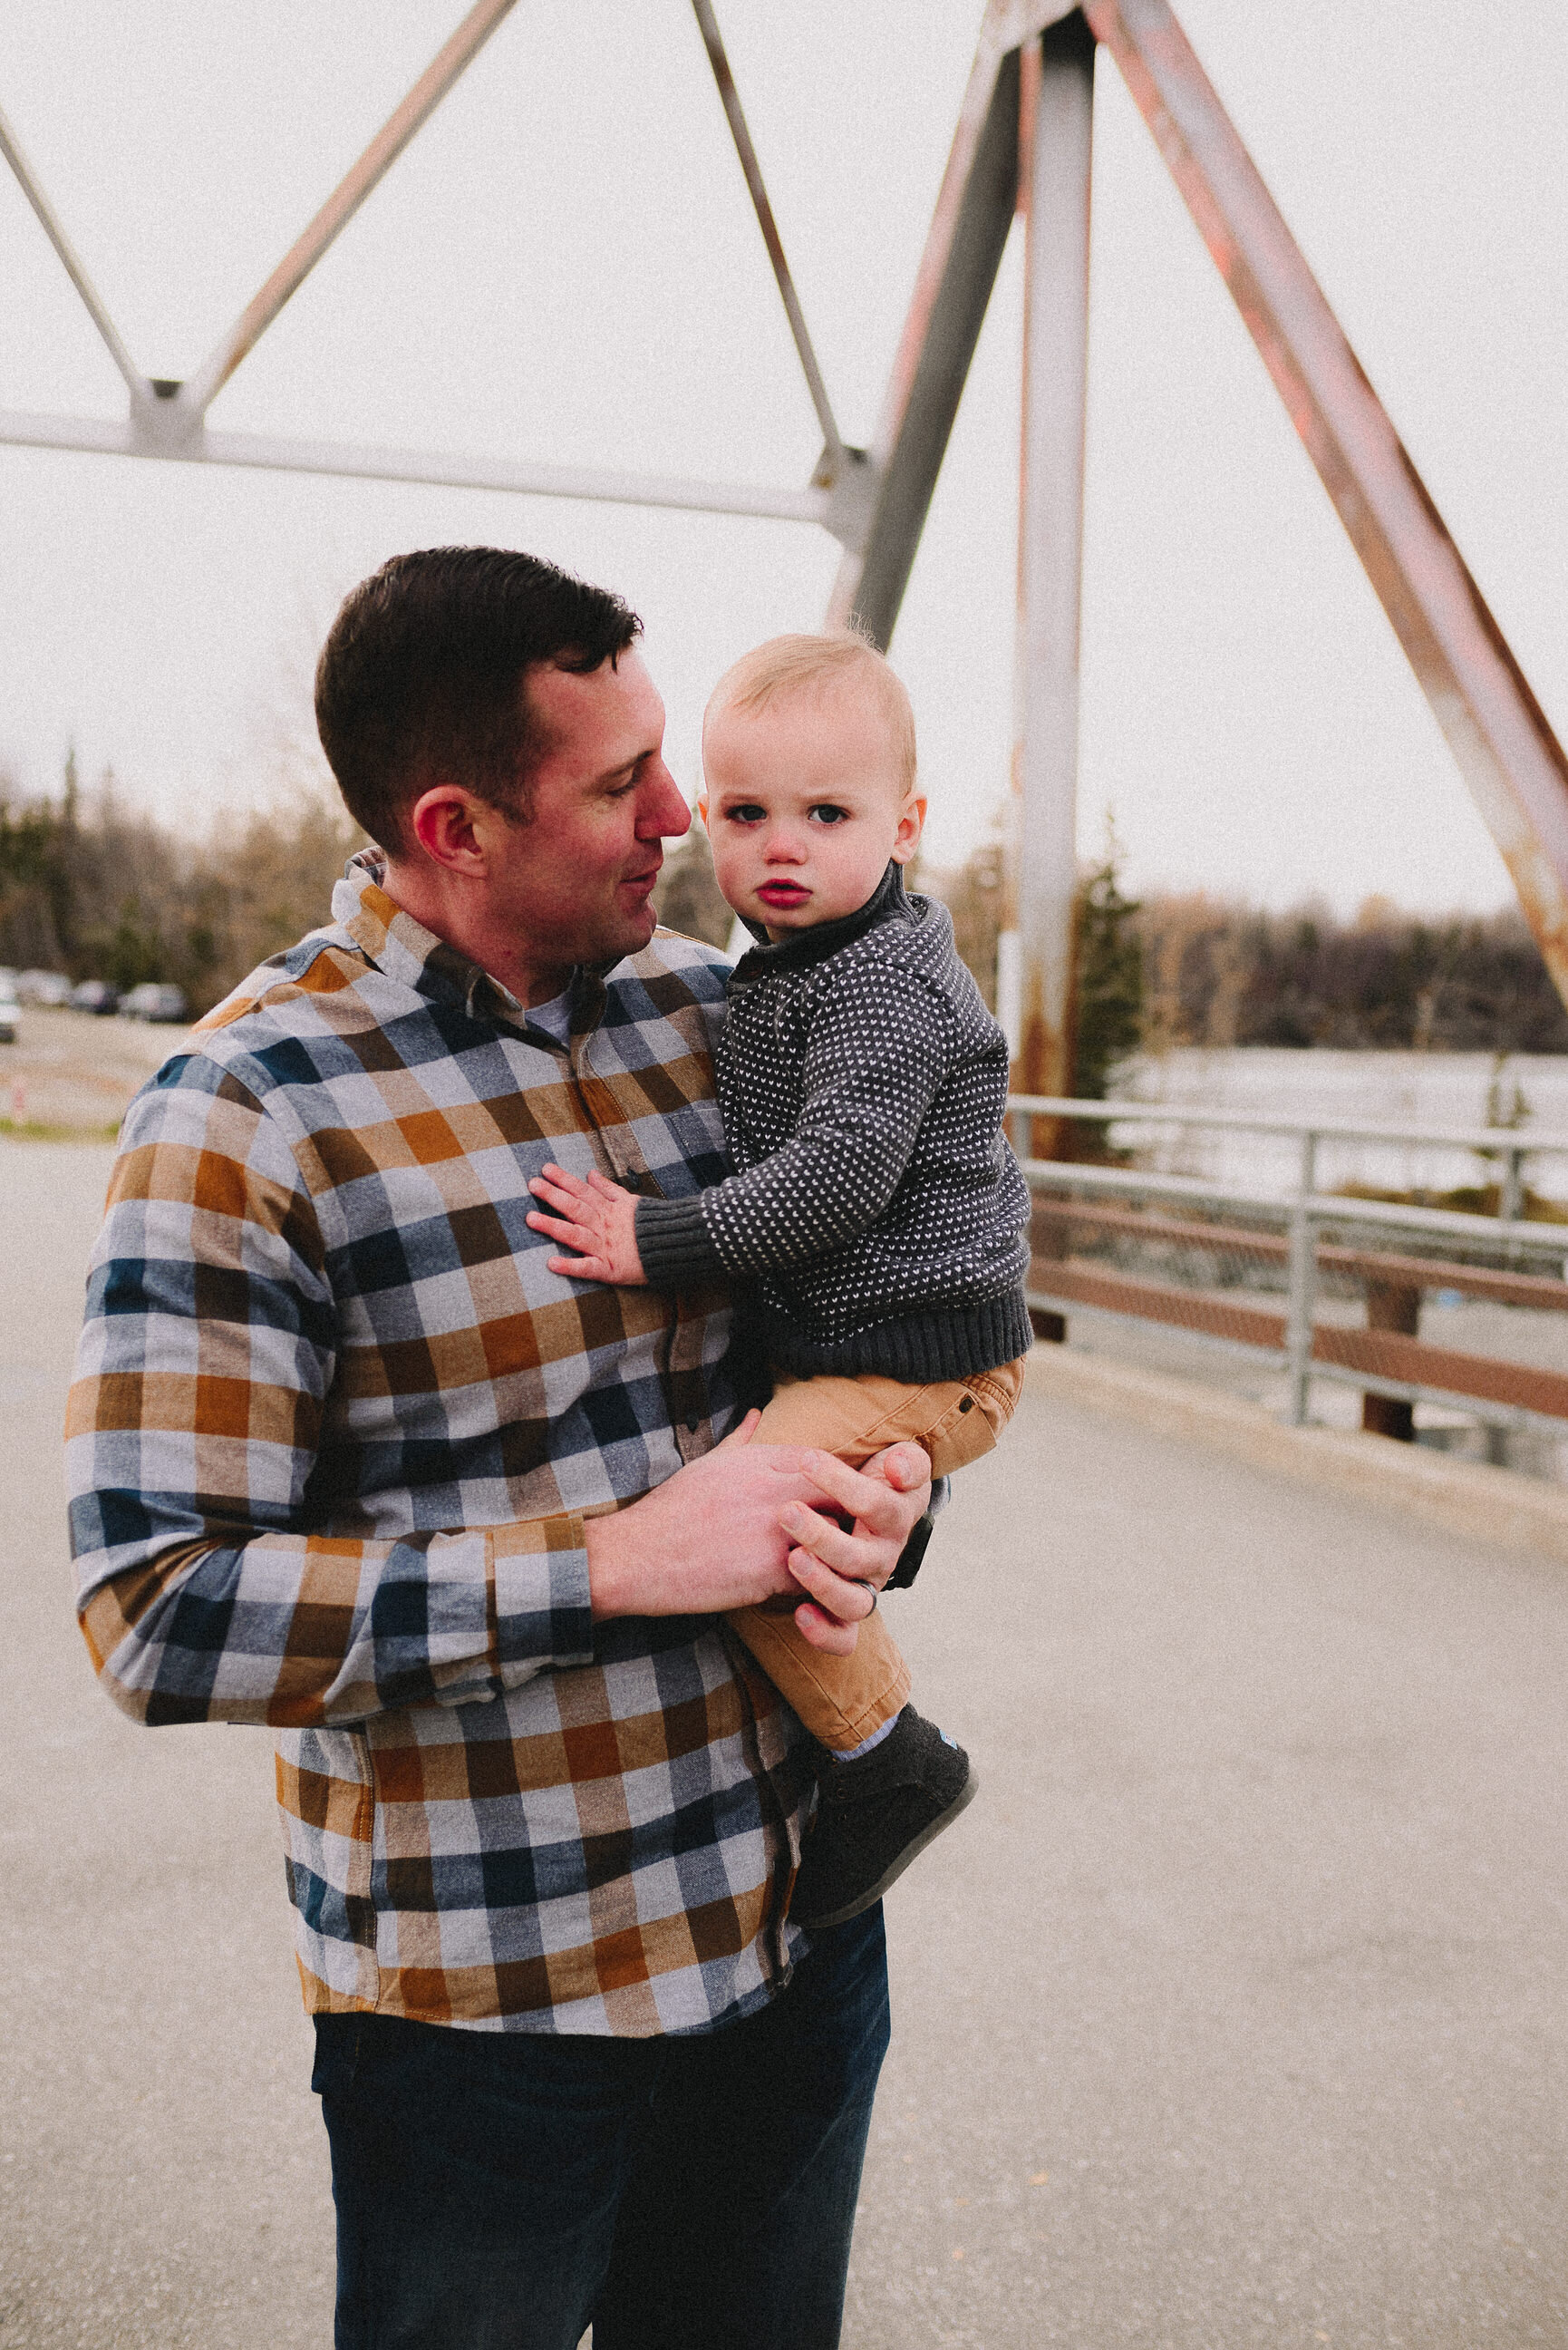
x,y
1329,1285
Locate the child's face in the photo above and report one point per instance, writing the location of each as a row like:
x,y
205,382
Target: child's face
x,y
805,806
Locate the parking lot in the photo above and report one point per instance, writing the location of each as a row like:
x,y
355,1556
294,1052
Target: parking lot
x,y
69,1072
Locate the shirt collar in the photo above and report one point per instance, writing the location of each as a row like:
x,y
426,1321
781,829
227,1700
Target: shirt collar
x,y
389,936
802,949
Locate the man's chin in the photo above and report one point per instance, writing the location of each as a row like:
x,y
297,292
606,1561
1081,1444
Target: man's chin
x,y
632,932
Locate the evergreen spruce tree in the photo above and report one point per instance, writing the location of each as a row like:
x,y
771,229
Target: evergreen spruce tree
x,y
1108,954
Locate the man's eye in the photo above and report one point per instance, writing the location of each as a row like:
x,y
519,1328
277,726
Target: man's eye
x,y
826,813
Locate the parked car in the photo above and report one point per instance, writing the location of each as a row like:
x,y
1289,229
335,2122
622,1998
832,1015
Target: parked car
x,y
95,995
10,1013
155,999
43,987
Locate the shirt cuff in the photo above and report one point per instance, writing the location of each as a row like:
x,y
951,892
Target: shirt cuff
x,y
544,1610
675,1245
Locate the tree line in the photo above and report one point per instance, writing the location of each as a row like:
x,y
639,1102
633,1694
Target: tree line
x,y
1191,970
92,887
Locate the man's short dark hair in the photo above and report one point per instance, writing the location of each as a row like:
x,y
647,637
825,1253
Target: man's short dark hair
x,y
422,678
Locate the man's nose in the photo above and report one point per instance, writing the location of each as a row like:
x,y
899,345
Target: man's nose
x,y
661,810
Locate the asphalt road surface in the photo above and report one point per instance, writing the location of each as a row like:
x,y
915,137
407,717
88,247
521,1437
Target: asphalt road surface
x,y
1233,2014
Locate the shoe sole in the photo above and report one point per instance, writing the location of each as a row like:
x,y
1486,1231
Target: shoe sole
x,y
910,1853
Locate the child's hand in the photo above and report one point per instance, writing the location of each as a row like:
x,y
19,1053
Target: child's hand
x,y
598,1218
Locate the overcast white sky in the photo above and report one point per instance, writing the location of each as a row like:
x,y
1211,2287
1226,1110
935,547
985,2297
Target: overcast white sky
x,y
565,267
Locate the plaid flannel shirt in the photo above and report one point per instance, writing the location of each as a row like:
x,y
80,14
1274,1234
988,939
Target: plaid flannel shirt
x,y
334,1435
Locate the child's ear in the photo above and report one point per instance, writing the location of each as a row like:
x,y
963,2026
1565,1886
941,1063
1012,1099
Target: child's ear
x,y
703,809
911,824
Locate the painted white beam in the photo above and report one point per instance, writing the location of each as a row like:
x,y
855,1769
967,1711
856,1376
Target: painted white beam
x,y
103,437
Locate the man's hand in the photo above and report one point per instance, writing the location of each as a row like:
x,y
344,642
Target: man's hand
x,y
845,1568
739,1526
595,1217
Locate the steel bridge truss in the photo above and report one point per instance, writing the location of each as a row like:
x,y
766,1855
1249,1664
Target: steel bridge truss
x,y
1022,146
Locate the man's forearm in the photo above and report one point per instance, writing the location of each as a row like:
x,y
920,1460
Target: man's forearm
x,y
296,1629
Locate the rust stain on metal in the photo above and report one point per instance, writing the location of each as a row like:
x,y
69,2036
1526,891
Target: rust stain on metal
x,y
1499,736
938,247
1045,1063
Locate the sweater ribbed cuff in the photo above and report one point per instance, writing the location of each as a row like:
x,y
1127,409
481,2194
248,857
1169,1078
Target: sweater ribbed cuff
x,y
673,1241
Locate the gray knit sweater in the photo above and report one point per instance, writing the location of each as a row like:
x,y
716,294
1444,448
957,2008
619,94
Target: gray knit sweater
x,y
876,1210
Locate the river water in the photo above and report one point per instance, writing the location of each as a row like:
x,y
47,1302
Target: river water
x,y
1526,1092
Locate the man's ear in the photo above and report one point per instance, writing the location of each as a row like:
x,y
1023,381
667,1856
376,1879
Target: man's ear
x,y
911,824
449,825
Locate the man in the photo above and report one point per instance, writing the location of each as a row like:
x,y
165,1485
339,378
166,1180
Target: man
x,y
348,1459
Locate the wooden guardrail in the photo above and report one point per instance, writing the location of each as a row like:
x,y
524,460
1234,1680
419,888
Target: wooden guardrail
x,y
1394,1282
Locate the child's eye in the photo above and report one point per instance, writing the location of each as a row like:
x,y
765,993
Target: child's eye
x,y
825,812
747,813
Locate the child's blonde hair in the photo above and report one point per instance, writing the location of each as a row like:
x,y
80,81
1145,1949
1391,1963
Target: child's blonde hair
x,y
801,664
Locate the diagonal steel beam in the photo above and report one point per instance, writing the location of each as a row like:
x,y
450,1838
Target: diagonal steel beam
x,y
835,453
32,188
974,211
1497,731
196,395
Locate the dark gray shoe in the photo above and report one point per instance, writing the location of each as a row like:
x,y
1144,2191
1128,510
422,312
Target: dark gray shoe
x,y
875,1817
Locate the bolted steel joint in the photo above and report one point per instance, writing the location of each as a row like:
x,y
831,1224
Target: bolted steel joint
x,y
852,489
163,423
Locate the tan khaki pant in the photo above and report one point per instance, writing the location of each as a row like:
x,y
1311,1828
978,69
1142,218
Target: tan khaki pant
x,y
842,1699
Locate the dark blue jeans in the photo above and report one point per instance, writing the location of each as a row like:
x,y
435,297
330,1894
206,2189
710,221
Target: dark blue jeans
x,y
503,2190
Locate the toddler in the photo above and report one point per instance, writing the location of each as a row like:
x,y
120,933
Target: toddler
x,y
875,1216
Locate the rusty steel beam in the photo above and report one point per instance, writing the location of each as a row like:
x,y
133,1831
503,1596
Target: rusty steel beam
x,y
1497,731
196,395
835,456
974,210
1056,149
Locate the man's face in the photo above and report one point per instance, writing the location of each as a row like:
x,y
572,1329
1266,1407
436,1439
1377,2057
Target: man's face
x,y
574,882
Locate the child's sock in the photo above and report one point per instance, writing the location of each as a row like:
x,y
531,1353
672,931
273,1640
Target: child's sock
x,y
852,1754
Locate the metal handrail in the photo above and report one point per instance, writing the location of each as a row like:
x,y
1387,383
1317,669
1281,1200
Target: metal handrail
x,y
1322,1207
1493,1139
1306,1211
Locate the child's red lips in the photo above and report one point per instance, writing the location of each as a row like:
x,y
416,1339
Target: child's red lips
x,y
783,893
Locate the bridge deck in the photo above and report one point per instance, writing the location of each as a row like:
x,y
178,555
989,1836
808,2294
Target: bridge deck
x,y
1232,2013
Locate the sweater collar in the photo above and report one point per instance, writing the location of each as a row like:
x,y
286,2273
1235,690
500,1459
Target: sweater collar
x,y
804,948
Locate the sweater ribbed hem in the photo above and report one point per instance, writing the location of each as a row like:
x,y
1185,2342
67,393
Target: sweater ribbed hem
x,y
918,1347
675,1246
